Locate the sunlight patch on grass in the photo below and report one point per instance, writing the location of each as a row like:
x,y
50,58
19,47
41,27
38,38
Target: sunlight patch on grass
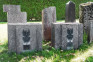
x,y
82,56
3,33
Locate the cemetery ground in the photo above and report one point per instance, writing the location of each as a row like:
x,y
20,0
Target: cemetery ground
x,y
48,54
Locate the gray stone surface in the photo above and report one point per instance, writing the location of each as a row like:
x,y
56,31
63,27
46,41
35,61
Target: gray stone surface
x,y
56,35
80,34
35,34
48,17
16,42
70,30
91,31
19,17
86,14
67,35
11,8
14,14
70,12
11,38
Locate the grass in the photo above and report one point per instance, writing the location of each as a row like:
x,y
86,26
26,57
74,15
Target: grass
x,y
34,7
48,54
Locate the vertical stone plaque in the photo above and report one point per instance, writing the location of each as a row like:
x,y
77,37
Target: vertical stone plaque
x,y
56,35
48,17
69,36
26,37
91,31
70,12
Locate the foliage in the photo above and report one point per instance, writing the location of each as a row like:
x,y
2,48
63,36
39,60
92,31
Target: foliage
x,y
89,59
34,7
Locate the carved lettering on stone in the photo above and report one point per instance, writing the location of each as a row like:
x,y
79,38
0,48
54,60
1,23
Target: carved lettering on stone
x,y
26,39
69,38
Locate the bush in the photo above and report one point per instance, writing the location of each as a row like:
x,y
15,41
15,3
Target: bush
x,y
34,7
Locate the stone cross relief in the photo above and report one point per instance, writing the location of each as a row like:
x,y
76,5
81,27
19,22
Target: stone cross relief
x,y
26,39
69,38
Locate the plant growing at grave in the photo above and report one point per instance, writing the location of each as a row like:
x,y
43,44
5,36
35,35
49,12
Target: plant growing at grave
x,y
26,34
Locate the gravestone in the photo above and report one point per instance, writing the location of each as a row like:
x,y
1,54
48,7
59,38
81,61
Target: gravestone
x,y
14,14
70,12
86,14
48,17
67,35
28,37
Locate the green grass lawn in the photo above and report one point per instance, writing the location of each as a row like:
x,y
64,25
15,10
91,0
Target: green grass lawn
x,y
48,54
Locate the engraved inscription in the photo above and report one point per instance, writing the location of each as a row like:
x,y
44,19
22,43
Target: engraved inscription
x,y
69,38
26,34
26,39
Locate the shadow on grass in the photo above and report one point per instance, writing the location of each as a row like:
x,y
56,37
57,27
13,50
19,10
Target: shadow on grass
x,y
48,53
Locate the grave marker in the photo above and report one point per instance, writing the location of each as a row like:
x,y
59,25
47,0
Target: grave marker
x,y
28,37
67,35
70,12
48,17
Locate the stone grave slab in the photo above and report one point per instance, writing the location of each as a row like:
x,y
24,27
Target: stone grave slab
x,y
48,17
25,37
67,35
70,12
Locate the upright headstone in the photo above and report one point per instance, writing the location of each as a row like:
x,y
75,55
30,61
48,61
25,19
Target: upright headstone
x,y
48,17
86,14
14,14
70,12
67,35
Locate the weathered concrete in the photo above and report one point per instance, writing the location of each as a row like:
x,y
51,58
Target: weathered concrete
x,y
80,34
67,35
11,8
19,17
86,14
56,35
48,17
11,38
70,12
90,34
14,14
24,37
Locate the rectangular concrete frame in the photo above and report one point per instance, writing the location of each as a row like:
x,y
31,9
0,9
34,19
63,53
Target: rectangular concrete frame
x,y
64,27
59,30
14,36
